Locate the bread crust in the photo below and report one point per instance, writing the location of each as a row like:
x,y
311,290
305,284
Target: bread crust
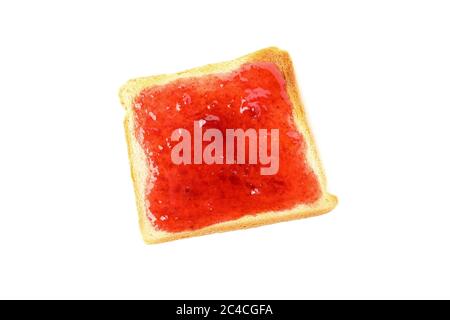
x,y
141,167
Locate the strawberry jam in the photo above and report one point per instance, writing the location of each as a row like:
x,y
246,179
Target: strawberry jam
x,y
190,196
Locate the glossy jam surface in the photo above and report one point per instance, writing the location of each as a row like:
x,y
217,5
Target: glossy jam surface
x,y
191,196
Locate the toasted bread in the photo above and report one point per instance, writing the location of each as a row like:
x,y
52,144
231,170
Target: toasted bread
x,y
144,171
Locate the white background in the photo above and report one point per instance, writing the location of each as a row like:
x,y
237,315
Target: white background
x,y
375,77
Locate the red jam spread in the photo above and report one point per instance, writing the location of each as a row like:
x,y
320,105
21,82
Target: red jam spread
x,y
185,197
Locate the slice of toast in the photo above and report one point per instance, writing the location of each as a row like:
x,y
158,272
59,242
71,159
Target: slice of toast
x,y
206,203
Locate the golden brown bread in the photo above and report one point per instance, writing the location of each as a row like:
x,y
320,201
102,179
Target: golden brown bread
x,y
143,170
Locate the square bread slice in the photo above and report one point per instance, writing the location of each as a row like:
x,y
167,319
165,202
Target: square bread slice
x,y
188,216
